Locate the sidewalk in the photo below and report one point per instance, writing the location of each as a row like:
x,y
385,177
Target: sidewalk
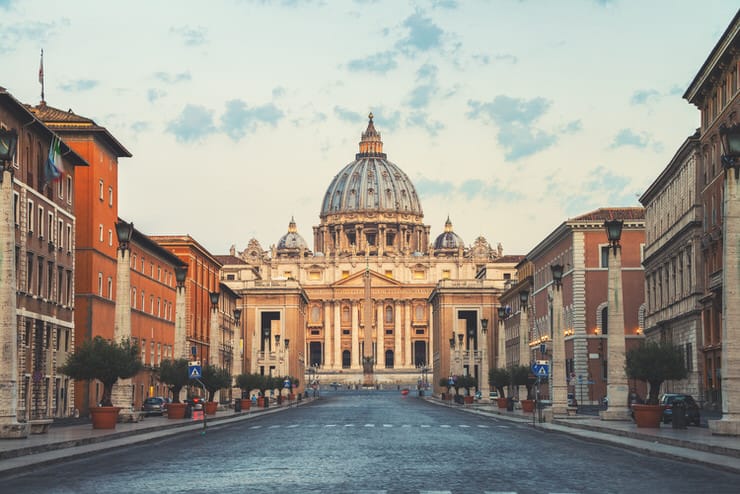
x,y
694,444
64,441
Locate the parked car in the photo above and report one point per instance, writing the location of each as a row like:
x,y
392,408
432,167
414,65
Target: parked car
x,y
693,413
155,405
478,395
493,395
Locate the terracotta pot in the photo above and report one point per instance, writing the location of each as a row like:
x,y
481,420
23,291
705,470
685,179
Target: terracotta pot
x,y
648,415
260,401
468,400
176,410
211,407
104,417
246,404
501,402
527,406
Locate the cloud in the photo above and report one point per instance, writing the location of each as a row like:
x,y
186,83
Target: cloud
x,y
445,4
193,125
600,187
79,85
154,94
389,121
428,187
6,4
140,126
172,78
191,36
471,189
644,96
278,92
239,119
515,118
572,127
14,34
627,137
348,115
380,63
421,95
423,35
421,119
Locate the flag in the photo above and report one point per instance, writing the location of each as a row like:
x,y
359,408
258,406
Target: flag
x,y
54,169
41,68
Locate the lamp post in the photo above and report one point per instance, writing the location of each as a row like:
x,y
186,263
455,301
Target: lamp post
x,y
180,348
215,330
501,357
123,391
558,379
729,424
523,333
616,384
483,385
10,428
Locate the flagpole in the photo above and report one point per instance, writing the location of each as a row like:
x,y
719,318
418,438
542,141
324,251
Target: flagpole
x,y
41,75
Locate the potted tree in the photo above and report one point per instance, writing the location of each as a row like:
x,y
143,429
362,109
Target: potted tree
x,y
499,379
653,363
214,378
467,383
107,362
521,376
247,382
264,383
174,373
444,382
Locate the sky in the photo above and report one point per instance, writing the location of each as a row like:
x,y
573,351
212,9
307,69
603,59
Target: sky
x,y
508,116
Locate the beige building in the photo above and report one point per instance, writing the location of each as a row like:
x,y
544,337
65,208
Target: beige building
x,y
376,302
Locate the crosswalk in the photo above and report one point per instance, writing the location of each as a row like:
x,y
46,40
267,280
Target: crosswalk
x,y
382,426
381,491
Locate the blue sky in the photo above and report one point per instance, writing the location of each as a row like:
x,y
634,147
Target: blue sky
x,y
509,116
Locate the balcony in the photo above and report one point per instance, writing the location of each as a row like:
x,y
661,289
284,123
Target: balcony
x,y
714,281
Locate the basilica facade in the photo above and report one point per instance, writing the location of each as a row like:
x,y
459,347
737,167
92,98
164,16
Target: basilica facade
x,y
376,301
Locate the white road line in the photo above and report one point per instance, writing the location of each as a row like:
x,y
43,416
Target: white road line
x,y
387,425
330,425
349,425
445,426
425,425
406,425
483,426
292,426
256,427
369,425
464,426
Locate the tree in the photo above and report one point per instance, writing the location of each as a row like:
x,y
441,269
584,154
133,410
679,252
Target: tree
x,y
105,361
520,375
654,363
467,382
444,382
499,379
248,382
174,373
215,378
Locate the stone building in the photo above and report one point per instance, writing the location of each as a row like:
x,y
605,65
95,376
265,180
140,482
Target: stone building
x,y
673,267
377,300
38,216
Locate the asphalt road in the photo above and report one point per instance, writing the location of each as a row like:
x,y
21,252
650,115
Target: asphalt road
x,y
372,442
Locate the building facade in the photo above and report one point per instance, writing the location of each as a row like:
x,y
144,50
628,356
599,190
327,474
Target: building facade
x,y
673,263
377,301
36,309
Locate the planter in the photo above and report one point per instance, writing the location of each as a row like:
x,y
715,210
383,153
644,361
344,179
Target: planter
x,y
648,416
260,401
468,400
104,417
176,411
246,404
211,407
291,396
527,406
501,403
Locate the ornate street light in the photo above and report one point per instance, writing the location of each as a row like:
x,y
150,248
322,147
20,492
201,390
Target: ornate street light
x,y
452,341
124,231
484,325
181,274
613,232
523,297
8,142
730,138
214,298
557,274
237,316
501,313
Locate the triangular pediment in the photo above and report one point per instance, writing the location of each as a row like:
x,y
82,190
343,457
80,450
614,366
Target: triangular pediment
x,y
358,280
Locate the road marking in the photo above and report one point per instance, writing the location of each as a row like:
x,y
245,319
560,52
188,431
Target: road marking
x,y
349,425
387,425
406,425
483,426
465,426
256,427
369,425
445,426
274,426
330,425
425,425
293,426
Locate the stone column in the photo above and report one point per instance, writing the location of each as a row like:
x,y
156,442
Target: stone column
x,y
501,357
523,336
407,333
336,345
180,348
616,386
380,337
10,428
122,394
214,338
398,342
730,422
557,369
328,327
483,378
355,337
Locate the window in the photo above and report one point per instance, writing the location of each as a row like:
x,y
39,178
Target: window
x,y
110,288
418,274
689,357
604,256
60,277
41,222
159,273
29,217
446,274
388,314
49,280
388,273
16,208
69,190
110,237
50,227
100,186
605,320
133,297
60,189
100,232
143,301
110,196
345,274
68,289
69,238
40,272
60,233
100,284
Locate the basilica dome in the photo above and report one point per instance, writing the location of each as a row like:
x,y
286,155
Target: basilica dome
x,y
292,239
448,240
371,183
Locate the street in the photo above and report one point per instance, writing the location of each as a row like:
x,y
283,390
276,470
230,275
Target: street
x,y
372,442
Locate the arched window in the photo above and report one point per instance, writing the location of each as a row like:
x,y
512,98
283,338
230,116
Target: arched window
x,y
346,359
315,313
605,320
389,359
388,313
345,313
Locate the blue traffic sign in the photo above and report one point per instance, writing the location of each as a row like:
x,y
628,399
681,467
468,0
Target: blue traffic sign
x,y
540,370
195,372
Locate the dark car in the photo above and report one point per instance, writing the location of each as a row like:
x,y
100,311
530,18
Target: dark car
x,y
693,414
155,405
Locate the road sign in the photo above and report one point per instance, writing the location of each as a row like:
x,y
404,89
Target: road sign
x,y
541,370
195,372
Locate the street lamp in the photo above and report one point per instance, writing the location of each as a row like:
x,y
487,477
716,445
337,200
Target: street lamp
x,y
501,357
558,382
616,387
181,274
124,388
214,330
8,142
124,231
730,139
180,349
484,325
214,296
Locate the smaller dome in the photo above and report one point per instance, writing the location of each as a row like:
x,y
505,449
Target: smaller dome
x,y
292,239
448,240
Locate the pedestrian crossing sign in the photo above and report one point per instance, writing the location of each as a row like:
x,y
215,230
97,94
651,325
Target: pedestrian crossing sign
x,y
194,371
